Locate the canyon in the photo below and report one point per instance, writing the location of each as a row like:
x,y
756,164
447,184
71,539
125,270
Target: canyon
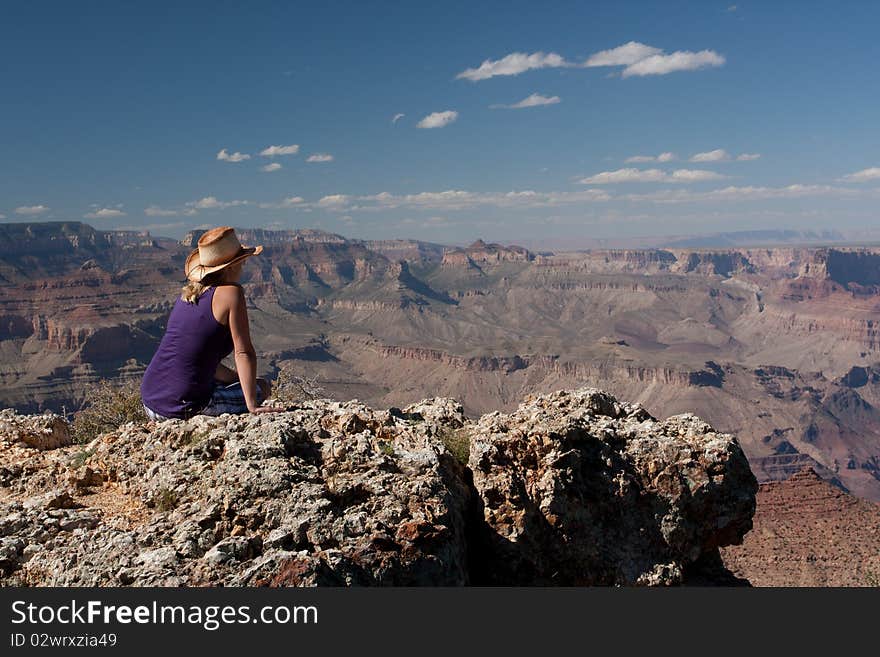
x,y
779,346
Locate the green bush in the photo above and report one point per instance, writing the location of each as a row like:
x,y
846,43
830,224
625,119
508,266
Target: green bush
x,y
107,406
80,458
458,442
166,499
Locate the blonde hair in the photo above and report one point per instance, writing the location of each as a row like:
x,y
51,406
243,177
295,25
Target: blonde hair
x,y
194,289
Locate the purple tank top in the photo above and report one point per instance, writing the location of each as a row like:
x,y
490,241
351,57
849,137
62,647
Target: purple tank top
x,y
180,378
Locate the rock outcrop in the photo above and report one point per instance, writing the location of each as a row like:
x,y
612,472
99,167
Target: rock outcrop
x,y
47,431
572,488
579,489
481,253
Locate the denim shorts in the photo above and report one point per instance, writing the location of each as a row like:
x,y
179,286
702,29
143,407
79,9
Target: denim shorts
x,y
225,399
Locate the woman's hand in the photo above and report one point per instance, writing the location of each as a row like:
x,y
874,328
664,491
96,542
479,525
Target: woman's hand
x,y
265,389
267,409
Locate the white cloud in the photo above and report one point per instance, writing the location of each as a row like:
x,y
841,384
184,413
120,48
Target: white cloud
x,y
455,199
289,202
156,211
105,213
535,100
721,155
718,155
682,60
438,119
274,166
320,157
232,157
333,200
694,175
30,210
748,193
625,176
625,55
397,117
663,157
650,175
872,173
513,64
211,203
272,151
2,216
638,59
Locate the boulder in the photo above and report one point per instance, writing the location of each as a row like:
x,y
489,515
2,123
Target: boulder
x,y
576,489
46,431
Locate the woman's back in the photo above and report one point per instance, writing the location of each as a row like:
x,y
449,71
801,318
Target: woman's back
x,y
180,378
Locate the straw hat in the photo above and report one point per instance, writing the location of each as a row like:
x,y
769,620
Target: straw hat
x,y
218,248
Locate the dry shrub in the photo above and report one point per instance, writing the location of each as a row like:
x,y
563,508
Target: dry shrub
x,y
458,442
291,388
107,406
166,499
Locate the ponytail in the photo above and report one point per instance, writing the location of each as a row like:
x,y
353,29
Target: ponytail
x,y
194,289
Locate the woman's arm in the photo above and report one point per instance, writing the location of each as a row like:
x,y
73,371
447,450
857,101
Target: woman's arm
x,y
245,354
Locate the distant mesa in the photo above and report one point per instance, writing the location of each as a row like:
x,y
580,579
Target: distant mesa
x,y
191,239
480,253
853,267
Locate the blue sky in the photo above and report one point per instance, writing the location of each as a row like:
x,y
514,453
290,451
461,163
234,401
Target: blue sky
x,y
142,114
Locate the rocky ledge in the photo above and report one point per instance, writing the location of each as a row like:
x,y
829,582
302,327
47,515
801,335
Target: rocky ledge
x,y
573,488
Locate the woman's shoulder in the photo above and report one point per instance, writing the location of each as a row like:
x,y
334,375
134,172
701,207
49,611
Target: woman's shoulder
x,y
228,291
228,288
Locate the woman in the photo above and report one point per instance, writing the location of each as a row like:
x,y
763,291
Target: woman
x,y
208,321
